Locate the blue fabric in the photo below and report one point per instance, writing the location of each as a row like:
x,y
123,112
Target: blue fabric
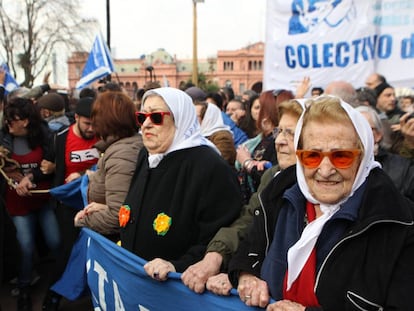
x,y
117,281
239,135
74,193
98,65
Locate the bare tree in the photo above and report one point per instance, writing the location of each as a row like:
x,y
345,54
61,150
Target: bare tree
x,y
32,30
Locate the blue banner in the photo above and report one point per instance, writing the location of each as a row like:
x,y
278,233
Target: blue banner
x,y
117,281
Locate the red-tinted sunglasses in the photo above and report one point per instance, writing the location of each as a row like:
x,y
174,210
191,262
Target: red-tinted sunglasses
x,y
339,158
156,118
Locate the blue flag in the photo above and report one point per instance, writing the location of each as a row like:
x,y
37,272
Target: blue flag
x,y
9,82
116,280
98,65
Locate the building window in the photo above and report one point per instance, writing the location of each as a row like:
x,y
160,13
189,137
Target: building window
x,y
228,66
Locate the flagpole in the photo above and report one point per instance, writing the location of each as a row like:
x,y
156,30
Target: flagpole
x,y
108,30
195,58
108,24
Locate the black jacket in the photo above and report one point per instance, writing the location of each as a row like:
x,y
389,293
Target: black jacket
x,y
196,188
400,170
370,267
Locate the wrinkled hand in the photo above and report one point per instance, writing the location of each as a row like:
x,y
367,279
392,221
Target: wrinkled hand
x,y
253,291
47,167
219,284
88,210
158,269
72,176
196,276
285,305
78,217
260,165
243,154
24,186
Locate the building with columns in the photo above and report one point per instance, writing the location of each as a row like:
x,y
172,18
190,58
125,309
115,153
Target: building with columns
x,y
241,69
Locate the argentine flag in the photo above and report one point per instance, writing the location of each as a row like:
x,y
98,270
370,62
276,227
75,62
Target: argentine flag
x,y
98,65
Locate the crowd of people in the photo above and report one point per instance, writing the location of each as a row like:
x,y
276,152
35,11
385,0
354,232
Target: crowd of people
x,y
300,202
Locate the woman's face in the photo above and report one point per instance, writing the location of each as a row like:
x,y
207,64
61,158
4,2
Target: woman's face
x,y
285,148
327,183
255,109
17,126
157,138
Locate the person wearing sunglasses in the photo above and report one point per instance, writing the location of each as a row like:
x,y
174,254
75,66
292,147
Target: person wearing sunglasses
x,y
332,233
205,273
182,191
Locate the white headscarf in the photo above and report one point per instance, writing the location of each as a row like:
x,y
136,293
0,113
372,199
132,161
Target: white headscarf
x,y
213,121
187,132
299,253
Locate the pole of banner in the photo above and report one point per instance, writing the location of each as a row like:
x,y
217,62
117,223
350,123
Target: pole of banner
x,y
195,60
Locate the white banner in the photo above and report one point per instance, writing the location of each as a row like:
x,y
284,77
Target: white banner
x,y
338,40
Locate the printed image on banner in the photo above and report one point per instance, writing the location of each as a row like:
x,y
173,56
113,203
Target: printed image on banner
x,y
338,40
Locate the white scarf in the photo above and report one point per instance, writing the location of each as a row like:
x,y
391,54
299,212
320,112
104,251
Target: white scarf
x,y
299,253
213,121
187,134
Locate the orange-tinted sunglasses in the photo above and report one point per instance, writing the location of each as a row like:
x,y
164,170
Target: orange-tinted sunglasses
x,y
339,158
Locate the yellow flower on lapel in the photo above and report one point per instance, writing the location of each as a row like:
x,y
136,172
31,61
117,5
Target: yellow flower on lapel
x,y
162,224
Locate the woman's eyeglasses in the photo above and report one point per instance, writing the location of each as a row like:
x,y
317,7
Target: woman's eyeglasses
x,y
287,133
10,120
156,118
339,158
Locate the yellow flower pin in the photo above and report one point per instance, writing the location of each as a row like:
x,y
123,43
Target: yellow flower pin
x,y
162,224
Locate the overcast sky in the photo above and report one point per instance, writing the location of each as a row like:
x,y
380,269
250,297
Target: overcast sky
x,y
142,26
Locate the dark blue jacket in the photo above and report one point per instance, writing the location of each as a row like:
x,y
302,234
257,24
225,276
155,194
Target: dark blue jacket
x,y
366,259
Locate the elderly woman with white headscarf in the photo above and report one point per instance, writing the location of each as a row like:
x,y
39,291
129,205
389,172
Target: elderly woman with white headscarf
x,y
339,234
182,191
213,128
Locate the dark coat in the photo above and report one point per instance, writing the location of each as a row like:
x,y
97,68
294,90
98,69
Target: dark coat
x,y
196,188
400,170
370,265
